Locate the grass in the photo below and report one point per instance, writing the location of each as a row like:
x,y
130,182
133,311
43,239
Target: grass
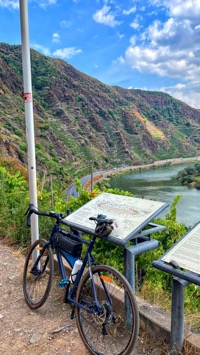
x,y
162,299
156,346
196,179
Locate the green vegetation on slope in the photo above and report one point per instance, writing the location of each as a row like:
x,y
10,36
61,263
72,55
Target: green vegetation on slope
x,y
79,119
190,176
154,284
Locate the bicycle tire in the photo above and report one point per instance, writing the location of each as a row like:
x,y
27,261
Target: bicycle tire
x,y
114,330
37,283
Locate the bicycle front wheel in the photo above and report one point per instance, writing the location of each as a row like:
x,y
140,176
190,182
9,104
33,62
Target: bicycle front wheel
x,y
109,326
38,274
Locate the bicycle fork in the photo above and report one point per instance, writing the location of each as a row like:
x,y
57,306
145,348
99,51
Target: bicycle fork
x,y
35,270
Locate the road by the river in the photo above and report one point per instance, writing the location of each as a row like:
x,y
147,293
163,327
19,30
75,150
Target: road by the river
x,y
71,191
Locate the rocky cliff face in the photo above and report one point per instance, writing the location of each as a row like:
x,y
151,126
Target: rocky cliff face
x,y
79,119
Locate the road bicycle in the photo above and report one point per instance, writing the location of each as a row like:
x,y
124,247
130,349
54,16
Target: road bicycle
x,y
102,300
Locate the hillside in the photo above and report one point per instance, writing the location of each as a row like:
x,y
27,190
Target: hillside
x,y
79,119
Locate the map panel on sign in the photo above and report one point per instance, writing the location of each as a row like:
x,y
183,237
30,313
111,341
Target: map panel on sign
x,y
186,252
130,214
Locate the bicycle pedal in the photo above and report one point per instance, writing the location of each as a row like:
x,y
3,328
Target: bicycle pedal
x,y
104,331
63,283
73,316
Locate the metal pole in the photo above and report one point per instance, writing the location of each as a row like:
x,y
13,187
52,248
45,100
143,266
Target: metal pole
x,y
177,315
129,267
30,136
92,176
129,258
52,199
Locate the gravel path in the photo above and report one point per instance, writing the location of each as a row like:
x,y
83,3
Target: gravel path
x,y
46,331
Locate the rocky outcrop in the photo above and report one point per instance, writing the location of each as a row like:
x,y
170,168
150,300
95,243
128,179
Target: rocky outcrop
x,y
78,118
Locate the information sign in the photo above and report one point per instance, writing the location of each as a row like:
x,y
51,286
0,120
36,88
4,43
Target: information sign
x,y
130,214
185,253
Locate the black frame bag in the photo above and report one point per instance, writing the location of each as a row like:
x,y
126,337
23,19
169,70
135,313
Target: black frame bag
x,y
64,241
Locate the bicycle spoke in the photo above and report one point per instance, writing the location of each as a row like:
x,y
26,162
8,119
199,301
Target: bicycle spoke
x,y
38,274
113,329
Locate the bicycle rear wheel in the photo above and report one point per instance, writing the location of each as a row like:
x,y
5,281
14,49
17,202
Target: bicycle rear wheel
x,y
38,274
112,328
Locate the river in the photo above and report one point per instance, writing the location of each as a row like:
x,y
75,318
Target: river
x,y
160,184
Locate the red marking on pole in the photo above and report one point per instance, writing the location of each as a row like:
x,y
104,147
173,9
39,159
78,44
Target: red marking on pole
x,y
27,97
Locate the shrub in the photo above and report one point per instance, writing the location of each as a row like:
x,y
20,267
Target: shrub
x,y
15,200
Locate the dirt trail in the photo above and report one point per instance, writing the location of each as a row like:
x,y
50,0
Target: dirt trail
x,y
46,331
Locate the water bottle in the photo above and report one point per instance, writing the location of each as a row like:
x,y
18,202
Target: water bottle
x,y
77,265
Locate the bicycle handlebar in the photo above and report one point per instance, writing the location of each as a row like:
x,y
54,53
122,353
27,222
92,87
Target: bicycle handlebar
x,y
103,224
32,209
100,219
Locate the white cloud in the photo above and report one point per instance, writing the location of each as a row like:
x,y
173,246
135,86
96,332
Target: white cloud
x,y
180,86
120,35
130,11
170,48
105,17
135,25
158,31
46,3
188,94
67,53
65,24
133,40
162,61
42,49
175,33
121,60
14,4
56,37
184,9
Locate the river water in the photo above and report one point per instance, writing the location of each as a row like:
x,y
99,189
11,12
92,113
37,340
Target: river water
x,y
161,184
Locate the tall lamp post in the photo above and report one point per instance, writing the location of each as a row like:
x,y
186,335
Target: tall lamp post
x,y
92,166
28,103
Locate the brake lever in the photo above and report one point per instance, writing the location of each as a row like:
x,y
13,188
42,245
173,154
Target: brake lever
x,y
29,213
27,210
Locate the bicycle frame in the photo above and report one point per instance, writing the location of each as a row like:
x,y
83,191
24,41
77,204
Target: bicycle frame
x,y
88,259
102,301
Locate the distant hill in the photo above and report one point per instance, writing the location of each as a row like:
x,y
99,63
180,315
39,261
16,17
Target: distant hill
x,y
78,119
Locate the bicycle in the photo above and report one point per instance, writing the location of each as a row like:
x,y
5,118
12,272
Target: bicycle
x,y
102,300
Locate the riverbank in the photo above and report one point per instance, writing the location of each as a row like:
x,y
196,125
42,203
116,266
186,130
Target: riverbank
x,y
161,184
127,169
158,163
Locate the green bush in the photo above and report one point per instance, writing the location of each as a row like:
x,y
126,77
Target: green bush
x,y
14,203
14,196
189,175
173,232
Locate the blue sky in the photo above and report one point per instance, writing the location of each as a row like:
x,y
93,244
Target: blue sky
x,y
147,44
